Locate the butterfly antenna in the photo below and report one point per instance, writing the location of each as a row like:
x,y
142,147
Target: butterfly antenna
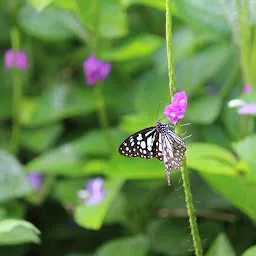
x,y
158,110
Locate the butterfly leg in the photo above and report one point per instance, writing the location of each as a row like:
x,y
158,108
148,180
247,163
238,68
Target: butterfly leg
x,y
187,136
185,124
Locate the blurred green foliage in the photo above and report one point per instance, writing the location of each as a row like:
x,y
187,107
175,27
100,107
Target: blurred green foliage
x,y
62,138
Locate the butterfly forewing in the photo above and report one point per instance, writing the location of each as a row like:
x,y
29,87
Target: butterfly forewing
x,y
140,144
159,142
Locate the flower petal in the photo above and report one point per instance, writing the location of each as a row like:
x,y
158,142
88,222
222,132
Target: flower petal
x,y
95,70
247,109
35,180
9,59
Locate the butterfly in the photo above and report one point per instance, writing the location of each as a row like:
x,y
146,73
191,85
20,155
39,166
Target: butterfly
x,y
156,142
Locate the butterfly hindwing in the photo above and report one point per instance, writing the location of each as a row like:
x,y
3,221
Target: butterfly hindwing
x,y
159,142
140,144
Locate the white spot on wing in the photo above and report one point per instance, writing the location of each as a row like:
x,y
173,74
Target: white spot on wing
x,y
139,137
143,144
149,141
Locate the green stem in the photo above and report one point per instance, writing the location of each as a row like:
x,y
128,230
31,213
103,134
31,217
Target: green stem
x,y
17,96
169,47
184,171
245,39
253,66
102,115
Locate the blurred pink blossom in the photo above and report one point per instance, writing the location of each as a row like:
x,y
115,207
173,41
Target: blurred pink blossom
x,y
95,70
35,180
16,60
247,88
94,191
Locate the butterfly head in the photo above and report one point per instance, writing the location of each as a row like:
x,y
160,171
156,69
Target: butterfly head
x,y
161,127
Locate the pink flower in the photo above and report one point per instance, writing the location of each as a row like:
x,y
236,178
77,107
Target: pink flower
x,y
16,60
247,109
94,192
95,70
247,88
35,180
175,111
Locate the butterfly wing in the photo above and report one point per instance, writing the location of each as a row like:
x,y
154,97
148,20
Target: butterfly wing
x,y
173,152
159,146
140,144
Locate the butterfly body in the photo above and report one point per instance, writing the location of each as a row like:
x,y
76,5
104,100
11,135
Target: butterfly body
x,y
156,142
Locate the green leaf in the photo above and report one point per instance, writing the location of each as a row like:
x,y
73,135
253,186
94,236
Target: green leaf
x,y
40,4
117,210
160,4
136,168
221,246
246,149
172,236
92,216
146,102
112,22
52,24
64,160
65,4
237,189
13,181
65,191
14,232
204,110
204,198
176,231
70,158
250,251
5,101
210,158
199,69
231,121
203,15
4,28
186,43
138,47
61,102
137,245
40,139
220,137
13,209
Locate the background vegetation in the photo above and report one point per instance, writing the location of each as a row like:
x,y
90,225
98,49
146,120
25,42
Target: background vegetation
x,y
70,132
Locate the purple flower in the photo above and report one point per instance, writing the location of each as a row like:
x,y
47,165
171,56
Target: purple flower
x,y
16,60
247,88
35,180
175,111
247,109
94,191
95,70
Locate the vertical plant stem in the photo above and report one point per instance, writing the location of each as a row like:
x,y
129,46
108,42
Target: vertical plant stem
x,y
169,47
102,115
184,171
245,39
17,96
253,58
